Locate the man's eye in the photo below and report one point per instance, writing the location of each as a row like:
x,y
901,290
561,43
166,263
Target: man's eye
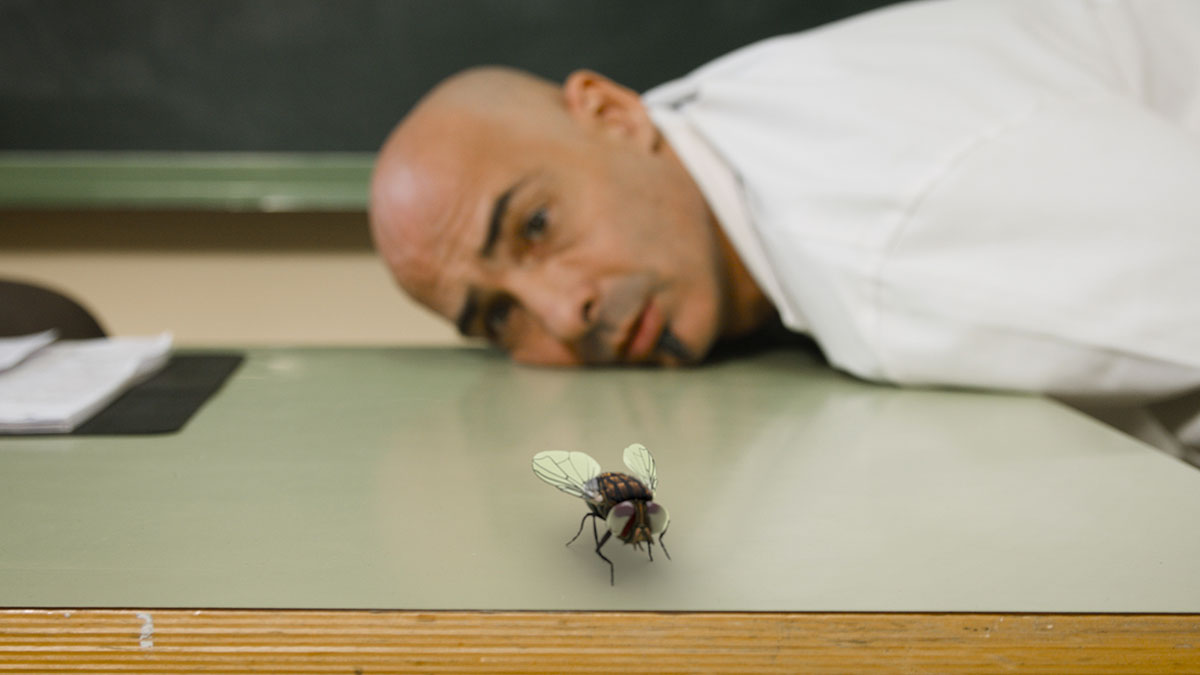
x,y
535,227
495,317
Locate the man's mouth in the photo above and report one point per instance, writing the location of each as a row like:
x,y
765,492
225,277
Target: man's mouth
x,y
651,336
631,327
643,337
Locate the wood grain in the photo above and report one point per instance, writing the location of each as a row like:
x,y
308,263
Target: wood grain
x,y
235,641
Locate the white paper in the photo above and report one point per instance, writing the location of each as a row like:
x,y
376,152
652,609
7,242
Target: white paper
x,y
63,384
14,350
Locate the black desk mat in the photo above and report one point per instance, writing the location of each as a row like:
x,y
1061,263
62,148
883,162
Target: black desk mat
x,y
167,400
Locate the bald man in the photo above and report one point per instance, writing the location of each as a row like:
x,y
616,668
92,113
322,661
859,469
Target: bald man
x,y
557,223
977,193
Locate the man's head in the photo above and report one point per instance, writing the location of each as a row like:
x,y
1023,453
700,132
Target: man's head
x,y
557,223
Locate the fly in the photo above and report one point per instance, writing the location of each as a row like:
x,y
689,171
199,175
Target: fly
x,y
624,502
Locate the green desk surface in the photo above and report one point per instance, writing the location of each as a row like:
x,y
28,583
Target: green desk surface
x,y
374,478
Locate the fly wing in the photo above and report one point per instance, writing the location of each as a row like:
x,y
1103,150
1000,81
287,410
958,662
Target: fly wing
x,y
641,463
568,471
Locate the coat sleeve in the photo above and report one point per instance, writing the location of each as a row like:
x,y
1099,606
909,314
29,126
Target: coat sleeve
x,y
1060,255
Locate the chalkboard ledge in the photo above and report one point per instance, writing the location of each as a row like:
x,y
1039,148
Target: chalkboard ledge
x,y
194,181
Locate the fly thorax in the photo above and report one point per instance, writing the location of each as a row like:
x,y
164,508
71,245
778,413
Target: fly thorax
x,y
620,487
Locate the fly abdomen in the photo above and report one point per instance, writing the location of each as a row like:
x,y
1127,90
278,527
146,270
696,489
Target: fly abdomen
x,y
619,487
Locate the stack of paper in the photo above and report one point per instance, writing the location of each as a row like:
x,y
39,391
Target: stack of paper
x,y
49,386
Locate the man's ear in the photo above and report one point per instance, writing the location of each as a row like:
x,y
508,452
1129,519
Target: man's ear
x,y
598,104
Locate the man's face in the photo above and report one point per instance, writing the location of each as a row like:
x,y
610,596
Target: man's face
x,y
563,244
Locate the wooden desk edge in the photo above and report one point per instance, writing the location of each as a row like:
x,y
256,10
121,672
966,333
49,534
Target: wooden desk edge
x,y
351,641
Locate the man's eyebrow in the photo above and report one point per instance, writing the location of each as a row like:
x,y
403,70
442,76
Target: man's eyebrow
x,y
498,211
466,317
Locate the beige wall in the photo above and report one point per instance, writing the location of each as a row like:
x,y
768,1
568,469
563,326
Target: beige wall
x,y
218,278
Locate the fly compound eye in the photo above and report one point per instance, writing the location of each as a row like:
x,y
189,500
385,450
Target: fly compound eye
x,y
620,518
657,518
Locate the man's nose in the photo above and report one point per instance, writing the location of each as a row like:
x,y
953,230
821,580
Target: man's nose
x,y
559,298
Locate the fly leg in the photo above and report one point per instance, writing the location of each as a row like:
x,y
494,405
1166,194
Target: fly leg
x,y
585,517
612,577
664,546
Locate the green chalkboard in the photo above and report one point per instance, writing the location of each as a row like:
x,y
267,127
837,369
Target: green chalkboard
x,y
326,75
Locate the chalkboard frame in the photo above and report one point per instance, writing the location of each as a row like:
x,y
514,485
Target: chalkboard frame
x,y
221,181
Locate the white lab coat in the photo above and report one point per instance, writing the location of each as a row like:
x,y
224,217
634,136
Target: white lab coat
x,y
1000,194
